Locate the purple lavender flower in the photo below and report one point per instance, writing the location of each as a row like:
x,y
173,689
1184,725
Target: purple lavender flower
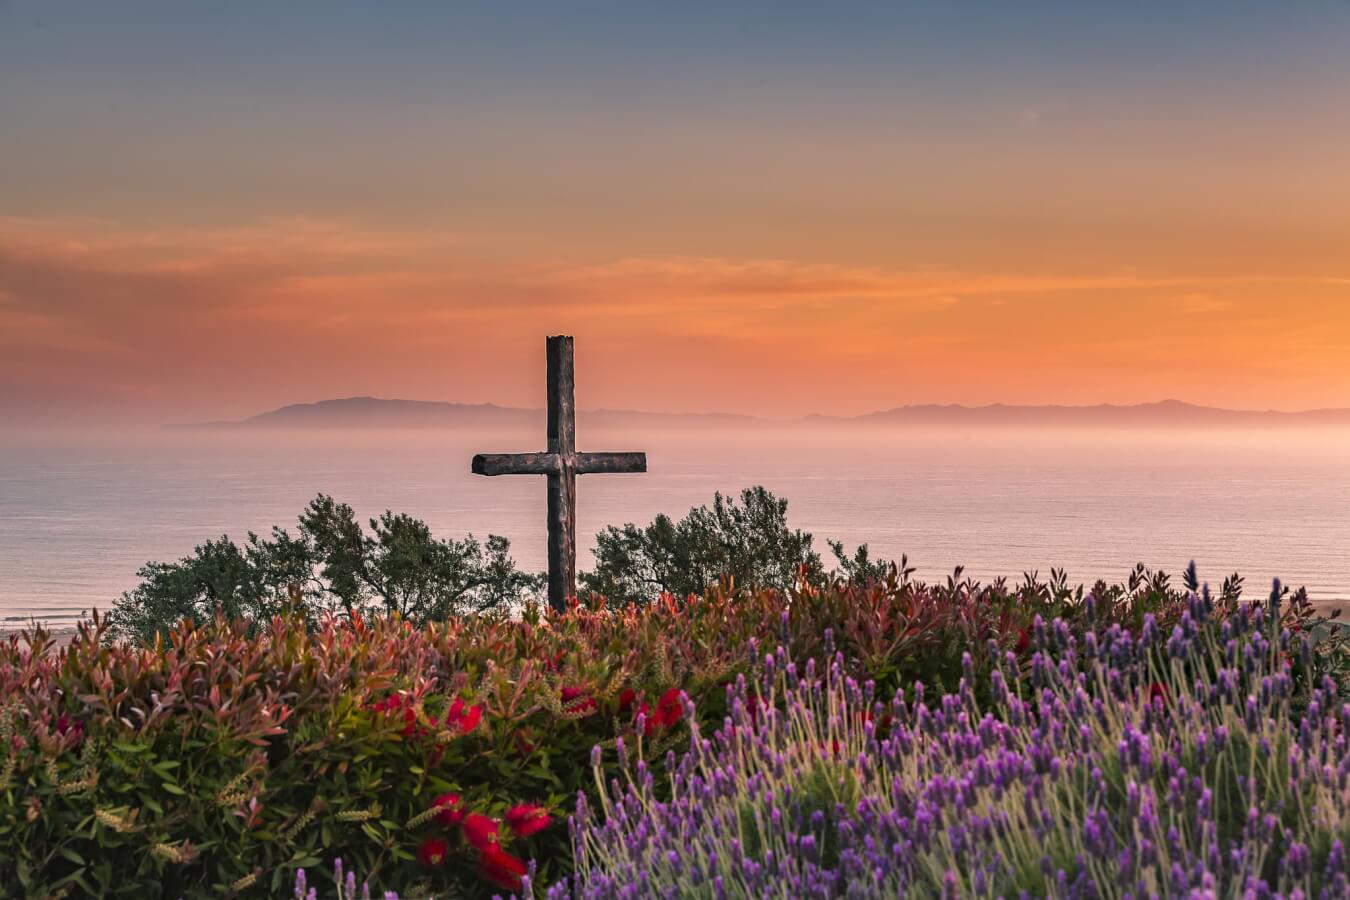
x,y
1078,780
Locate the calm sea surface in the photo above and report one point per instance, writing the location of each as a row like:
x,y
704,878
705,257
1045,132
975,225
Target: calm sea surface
x,y
78,517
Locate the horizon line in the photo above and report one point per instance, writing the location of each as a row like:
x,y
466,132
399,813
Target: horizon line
x,y
1167,402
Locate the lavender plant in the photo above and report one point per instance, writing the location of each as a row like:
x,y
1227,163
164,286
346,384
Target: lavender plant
x,y
346,888
1112,764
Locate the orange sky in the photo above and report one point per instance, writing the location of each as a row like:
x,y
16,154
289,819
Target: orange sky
x,y
800,219
101,319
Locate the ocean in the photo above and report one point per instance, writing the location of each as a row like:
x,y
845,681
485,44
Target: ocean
x,y
79,514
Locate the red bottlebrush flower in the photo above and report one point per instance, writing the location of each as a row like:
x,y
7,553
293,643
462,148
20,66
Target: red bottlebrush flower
x,y
464,718
527,819
1157,692
433,852
1023,640
571,693
626,699
669,709
502,869
409,721
480,831
450,811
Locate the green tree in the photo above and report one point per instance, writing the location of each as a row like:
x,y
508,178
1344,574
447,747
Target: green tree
x,y
400,567
861,568
750,542
333,563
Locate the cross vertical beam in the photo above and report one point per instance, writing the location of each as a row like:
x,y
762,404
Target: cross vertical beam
x,y
562,484
562,464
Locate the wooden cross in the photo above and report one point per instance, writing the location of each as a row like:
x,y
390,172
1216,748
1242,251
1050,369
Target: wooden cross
x,y
562,464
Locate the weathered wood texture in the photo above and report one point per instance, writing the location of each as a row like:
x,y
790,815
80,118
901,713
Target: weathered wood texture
x,y
515,464
562,487
598,463
562,464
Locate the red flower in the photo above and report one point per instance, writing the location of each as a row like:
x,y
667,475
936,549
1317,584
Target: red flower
x,y
502,869
450,811
527,819
1023,640
1157,692
433,852
669,710
464,718
572,693
626,699
480,831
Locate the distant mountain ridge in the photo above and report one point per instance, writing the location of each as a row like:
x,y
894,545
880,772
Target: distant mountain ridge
x,y
373,412
1163,412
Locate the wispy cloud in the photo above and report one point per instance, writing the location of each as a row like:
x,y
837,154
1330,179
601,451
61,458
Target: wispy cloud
x,y
231,319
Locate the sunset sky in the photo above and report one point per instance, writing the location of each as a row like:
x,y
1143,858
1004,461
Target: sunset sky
x,y
210,210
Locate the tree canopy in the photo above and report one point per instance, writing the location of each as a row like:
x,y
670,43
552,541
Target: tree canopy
x,y
331,563
395,565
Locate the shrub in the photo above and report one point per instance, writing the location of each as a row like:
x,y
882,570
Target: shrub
x,y
230,754
331,564
750,544
217,763
1139,764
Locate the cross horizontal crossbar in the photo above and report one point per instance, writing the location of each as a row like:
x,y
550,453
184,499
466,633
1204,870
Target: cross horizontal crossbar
x,y
551,463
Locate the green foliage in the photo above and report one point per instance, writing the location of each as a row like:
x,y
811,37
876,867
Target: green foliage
x,y
221,758
397,566
748,543
332,563
861,568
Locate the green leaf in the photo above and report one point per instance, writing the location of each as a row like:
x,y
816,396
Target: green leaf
x,y
71,855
